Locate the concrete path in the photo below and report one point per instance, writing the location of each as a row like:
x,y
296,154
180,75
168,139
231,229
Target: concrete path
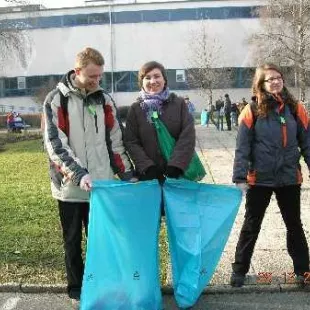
x,y
259,301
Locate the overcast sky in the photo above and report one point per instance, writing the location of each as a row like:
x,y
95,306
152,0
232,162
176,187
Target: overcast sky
x,y
64,3
51,3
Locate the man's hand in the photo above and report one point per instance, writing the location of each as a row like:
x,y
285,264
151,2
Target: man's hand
x,y
86,183
134,180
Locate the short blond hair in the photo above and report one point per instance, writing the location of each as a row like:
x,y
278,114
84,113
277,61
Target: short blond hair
x,y
88,55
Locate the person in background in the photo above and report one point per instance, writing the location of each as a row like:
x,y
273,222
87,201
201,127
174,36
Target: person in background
x,y
234,114
272,136
241,105
83,140
10,119
190,105
219,104
140,134
221,118
205,116
227,109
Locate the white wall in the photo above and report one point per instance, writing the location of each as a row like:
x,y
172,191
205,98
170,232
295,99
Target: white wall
x,y
54,49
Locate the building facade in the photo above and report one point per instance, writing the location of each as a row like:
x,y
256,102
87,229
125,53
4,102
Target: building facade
x,y
128,35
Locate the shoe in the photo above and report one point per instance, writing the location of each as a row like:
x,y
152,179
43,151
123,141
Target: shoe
x,y
237,279
300,280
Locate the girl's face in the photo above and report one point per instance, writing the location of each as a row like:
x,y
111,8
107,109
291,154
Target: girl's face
x,y
273,82
153,82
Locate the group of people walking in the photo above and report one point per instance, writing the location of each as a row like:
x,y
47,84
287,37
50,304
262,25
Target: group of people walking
x,y
85,141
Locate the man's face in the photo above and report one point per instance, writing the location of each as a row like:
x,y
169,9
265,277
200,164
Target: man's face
x,y
89,76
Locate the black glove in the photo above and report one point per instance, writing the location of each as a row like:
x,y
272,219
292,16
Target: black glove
x,y
173,172
149,174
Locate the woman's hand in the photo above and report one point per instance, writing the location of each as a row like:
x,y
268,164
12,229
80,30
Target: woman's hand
x,y
150,173
173,172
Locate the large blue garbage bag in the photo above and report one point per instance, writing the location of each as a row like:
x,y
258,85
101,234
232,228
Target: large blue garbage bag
x,y
199,220
121,270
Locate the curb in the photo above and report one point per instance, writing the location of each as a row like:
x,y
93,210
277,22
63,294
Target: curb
x,y
166,290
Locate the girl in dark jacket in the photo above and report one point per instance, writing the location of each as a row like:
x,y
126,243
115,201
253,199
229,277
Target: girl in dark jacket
x,y
140,134
273,133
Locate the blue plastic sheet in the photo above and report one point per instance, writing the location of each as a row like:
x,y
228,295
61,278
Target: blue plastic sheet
x,y
199,220
121,271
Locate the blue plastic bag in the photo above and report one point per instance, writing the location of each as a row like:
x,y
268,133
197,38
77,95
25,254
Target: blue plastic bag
x,y
121,270
203,117
199,220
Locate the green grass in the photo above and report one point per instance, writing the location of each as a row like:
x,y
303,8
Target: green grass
x,y
31,249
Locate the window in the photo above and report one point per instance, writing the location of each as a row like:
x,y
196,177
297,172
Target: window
x,y
180,76
102,18
155,16
21,82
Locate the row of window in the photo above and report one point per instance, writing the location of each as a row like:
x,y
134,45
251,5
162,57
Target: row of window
x,y
131,17
127,81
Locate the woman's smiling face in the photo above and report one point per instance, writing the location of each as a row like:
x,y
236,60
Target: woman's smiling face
x,y
273,82
153,82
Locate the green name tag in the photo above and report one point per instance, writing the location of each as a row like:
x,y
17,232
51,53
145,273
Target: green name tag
x,y
282,120
155,114
91,110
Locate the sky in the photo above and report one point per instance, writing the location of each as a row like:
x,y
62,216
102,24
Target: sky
x,y
62,3
51,3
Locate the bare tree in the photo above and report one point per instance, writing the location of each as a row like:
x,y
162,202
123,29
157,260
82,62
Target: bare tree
x,y
204,55
15,44
285,38
41,93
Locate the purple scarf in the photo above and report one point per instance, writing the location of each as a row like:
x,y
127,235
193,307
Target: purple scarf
x,y
151,103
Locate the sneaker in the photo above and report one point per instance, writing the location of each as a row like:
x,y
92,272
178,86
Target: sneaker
x,y
237,279
300,280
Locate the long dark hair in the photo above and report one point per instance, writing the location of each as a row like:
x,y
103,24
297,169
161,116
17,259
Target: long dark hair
x,y
262,96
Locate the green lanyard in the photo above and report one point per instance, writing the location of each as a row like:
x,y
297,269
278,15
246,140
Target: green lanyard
x,y
282,120
91,109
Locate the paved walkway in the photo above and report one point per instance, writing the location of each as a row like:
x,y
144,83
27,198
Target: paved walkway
x,y
262,301
270,256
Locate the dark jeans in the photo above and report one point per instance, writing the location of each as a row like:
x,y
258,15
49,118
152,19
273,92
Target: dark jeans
x,y
257,201
72,217
228,121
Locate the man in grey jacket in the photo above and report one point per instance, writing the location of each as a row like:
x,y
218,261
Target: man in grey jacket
x,y
83,139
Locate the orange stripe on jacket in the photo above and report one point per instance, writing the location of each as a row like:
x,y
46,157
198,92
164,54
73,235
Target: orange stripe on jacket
x,y
299,176
246,116
302,115
284,134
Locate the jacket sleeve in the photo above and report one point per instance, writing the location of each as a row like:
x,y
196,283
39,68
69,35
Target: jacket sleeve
x,y
119,159
243,145
133,143
303,132
185,144
56,140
